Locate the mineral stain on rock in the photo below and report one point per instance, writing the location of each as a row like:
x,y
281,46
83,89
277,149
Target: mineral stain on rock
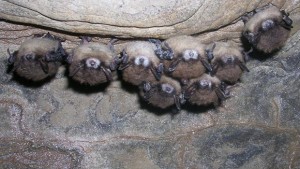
x,y
239,147
24,154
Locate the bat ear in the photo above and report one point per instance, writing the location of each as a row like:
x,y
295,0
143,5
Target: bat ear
x,y
246,54
69,58
44,67
48,35
245,18
12,57
111,44
177,102
210,52
85,39
287,20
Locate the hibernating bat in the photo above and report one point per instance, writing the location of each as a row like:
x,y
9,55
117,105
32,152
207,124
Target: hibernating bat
x,y
205,90
92,63
189,60
162,94
227,60
267,29
37,58
140,63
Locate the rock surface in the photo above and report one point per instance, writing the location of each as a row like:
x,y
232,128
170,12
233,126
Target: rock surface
x,y
62,125
139,18
59,124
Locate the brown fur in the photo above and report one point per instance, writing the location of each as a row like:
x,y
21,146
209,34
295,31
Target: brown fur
x,y
138,74
187,70
142,48
95,50
254,23
88,76
228,73
272,39
91,50
190,69
224,48
135,74
38,46
159,98
161,101
184,42
32,70
203,97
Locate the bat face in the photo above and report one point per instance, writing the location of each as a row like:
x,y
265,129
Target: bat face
x,y
227,61
189,59
92,63
140,63
162,94
267,29
37,58
204,90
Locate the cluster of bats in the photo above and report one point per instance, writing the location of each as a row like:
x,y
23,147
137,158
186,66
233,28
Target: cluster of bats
x,y
169,73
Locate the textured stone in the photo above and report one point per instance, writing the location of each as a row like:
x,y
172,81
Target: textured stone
x,y
133,155
269,91
239,147
135,18
24,154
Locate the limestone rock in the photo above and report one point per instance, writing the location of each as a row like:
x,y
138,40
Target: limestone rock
x,y
159,19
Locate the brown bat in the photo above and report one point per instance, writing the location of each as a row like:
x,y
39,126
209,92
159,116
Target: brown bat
x,y
267,29
228,61
92,63
140,64
189,59
162,94
205,90
37,58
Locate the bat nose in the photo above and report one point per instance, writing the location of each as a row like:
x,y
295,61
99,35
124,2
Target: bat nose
x,y
92,63
141,60
168,89
229,60
191,54
203,83
29,57
267,25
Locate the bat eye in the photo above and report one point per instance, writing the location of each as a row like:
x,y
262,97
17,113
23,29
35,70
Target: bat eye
x,y
93,63
29,57
167,88
142,60
267,24
190,54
